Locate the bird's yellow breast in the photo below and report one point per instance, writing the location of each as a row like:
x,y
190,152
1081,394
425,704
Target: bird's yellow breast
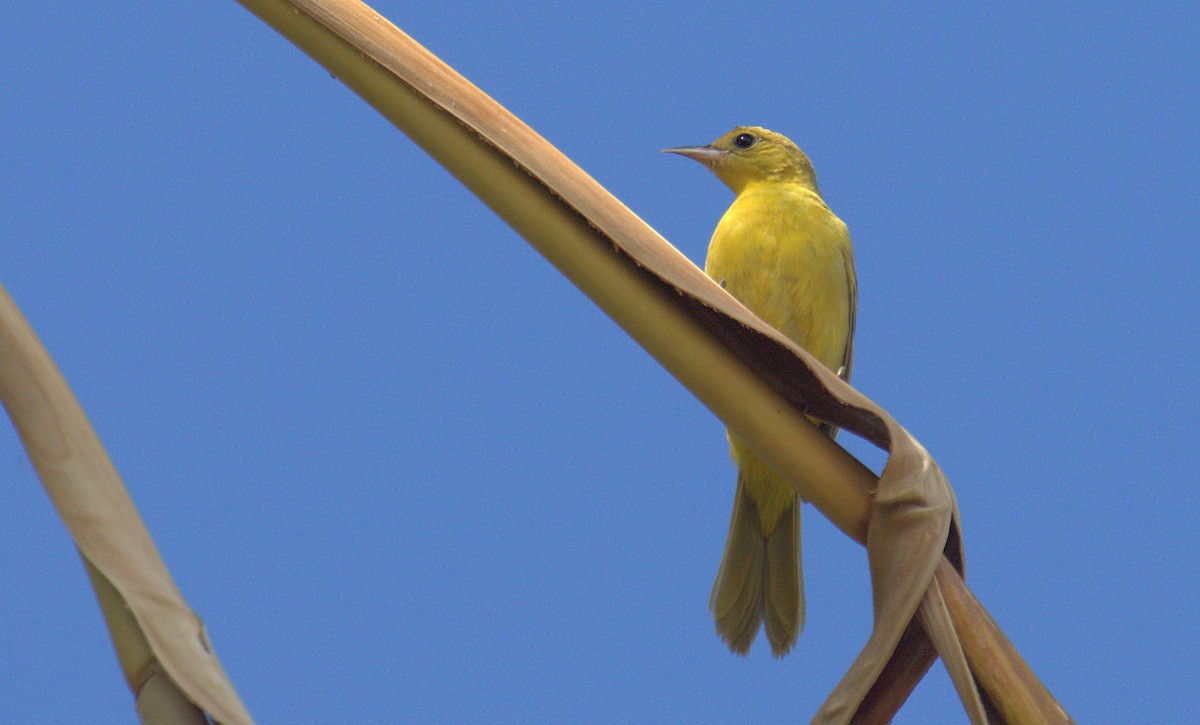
x,y
784,255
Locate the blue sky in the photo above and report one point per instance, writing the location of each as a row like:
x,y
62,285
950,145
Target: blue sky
x,y
401,467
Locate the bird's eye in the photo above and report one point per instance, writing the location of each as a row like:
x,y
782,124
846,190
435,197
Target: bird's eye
x,y
744,140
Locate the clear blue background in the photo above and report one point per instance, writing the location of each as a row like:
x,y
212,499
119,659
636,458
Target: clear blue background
x,y
404,470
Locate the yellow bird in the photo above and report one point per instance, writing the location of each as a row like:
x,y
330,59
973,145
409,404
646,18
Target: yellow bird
x,y
783,254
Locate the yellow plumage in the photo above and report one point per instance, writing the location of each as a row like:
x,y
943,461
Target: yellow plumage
x,y
784,255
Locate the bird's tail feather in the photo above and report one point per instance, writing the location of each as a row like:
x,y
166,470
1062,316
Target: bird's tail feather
x,y
759,579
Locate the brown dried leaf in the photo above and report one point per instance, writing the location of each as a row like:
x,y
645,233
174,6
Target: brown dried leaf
x,y
150,623
751,377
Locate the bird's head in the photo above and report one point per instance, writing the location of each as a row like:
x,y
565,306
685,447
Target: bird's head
x,y
749,154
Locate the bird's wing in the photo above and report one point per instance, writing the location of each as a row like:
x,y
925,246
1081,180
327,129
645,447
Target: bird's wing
x,y
852,290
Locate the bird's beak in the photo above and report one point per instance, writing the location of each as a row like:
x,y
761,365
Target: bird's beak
x,y
704,154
